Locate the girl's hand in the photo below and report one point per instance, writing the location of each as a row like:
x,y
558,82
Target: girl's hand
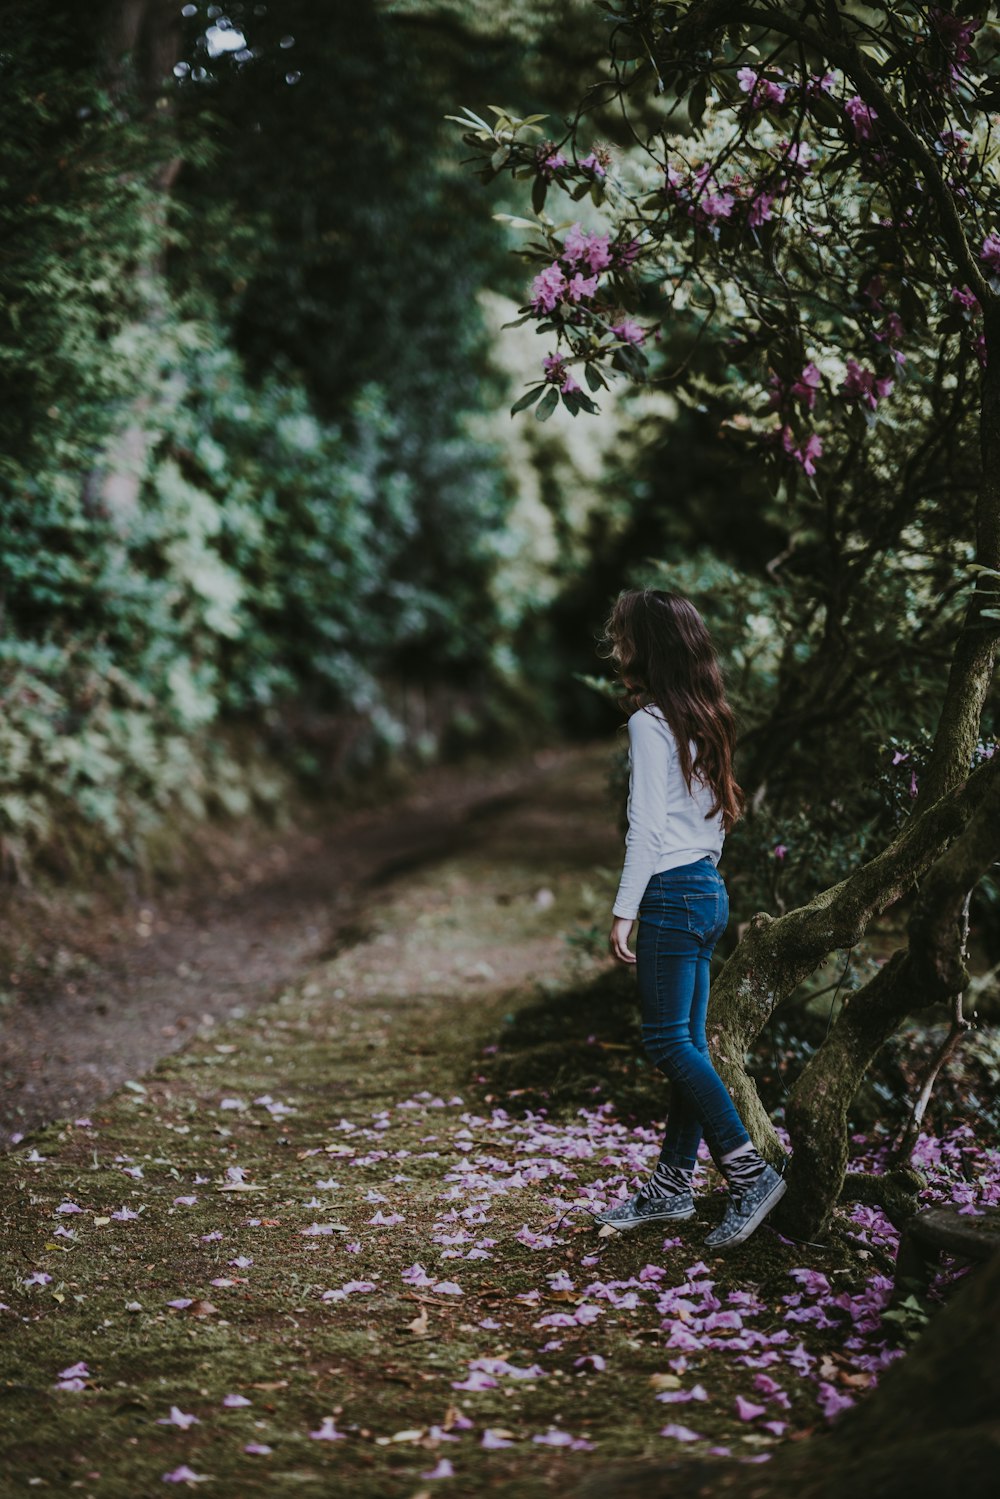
x,y
621,929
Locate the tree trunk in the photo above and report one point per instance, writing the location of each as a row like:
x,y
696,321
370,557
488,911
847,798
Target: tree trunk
x,y
777,954
931,971
930,1428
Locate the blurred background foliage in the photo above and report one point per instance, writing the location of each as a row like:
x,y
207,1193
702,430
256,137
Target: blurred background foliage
x,y
266,521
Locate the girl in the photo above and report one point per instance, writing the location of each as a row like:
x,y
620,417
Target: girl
x,y
683,799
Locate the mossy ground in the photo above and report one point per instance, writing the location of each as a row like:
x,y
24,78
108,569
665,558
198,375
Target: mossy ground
x,y
401,1018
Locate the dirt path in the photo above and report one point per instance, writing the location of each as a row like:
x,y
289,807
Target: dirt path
x,y
312,1252
103,994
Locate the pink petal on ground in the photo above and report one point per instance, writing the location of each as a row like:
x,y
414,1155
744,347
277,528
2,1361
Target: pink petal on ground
x,y
591,1361
75,1371
258,1449
68,1207
491,1441
232,1401
554,1439
681,1433
448,1288
475,1381
184,1474
444,1469
181,1303
73,1385
177,1417
185,1202
328,1431
776,1427
746,1410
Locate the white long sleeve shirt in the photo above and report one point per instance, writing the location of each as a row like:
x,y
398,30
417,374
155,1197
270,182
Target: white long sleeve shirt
x,y
667,825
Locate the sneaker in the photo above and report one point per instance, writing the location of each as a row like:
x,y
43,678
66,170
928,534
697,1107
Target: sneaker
x,y
746,1210
637,1209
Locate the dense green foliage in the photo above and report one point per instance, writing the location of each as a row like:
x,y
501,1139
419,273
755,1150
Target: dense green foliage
x,y
248,497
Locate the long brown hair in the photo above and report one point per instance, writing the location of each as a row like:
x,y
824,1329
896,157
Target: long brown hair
x,y
664,656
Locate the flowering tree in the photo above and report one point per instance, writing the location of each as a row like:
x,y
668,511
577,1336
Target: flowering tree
x,y
820,188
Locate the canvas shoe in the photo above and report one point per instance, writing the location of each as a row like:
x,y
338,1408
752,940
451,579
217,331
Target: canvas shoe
x,y
746,1210
636,1210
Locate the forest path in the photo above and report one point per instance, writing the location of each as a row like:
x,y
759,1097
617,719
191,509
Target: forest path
x,y
104,994
312,1250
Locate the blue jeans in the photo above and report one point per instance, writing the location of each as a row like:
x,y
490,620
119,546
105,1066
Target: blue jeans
x,y
682,915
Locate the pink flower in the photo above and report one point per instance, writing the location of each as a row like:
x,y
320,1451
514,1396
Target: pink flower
x,y
862,117
797,155
717,205
575,243
68,1207
629,332
593,163
124,1214
590,1361
863,385
598,253
39,1278
805,455
760,209
549,160
75,1371
989,255
806,386
582,287
547,288
819,83
763,91
491,1440
963,296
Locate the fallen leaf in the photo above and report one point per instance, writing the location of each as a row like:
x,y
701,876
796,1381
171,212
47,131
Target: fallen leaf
x,y
665,1381
607,1232
419,1325
271,1384
203,1309
100,1222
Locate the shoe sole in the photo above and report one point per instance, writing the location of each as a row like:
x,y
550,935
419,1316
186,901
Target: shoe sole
x,y
743,1233
624,1224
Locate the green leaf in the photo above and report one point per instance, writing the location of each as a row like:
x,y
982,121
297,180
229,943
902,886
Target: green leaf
x,y
539,189
547,404
526,400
